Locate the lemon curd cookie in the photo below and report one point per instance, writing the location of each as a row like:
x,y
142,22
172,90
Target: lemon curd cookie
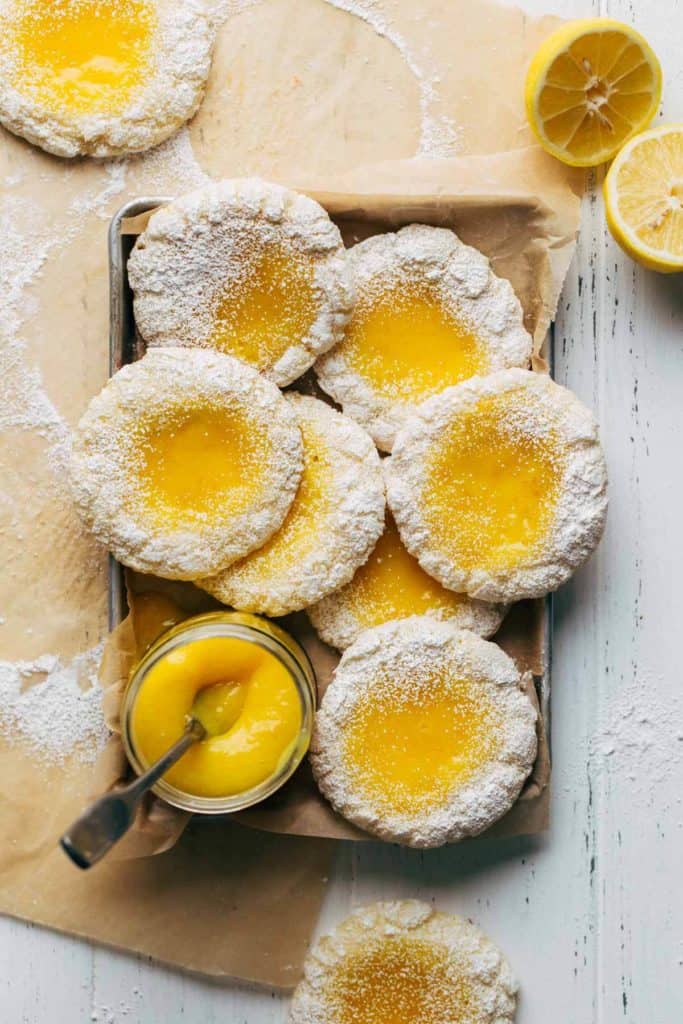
x,y
423,736
429,313
185,462
393,585
405,962
331,528
101,78
245,267
499,485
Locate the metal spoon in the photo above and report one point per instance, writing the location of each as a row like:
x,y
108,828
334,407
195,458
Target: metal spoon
x,y
109,818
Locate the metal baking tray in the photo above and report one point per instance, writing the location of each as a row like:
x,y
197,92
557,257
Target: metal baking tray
x,y
125,346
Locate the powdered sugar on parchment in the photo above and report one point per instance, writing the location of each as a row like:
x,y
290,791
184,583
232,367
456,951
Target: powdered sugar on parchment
x,y
53,705
439,134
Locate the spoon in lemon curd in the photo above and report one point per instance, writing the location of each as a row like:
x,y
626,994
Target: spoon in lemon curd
x,y
215,710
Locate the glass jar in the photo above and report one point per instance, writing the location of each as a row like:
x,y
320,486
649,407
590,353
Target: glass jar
x,y
243,626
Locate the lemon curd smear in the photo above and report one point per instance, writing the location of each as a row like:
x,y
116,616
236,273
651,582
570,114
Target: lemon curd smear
x,y
393,585
400,980
273,308
296,536
245,698
492,485
198,464
409,345
444,723
81,56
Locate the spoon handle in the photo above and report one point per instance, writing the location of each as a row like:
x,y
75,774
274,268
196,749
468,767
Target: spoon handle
x,y
103,823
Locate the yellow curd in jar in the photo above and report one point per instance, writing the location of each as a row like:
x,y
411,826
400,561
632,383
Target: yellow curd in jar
x,y
245,697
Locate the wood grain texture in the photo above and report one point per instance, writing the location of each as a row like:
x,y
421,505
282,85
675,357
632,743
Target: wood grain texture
x,y
590,915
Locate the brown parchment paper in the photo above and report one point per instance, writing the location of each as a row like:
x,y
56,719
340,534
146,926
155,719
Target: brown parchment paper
x,y
303,93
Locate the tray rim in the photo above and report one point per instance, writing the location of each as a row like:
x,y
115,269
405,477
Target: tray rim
x,y
120,350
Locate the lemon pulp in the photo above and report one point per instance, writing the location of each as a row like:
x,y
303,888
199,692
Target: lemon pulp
x,y
199,464
241,693
297,536
492,485
393,585
444,723
409,344
273,308
81,56
400,980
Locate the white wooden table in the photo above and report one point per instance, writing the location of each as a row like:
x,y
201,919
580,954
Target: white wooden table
x,y
591,915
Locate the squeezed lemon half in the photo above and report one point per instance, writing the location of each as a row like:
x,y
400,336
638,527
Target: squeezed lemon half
x,y
591,86
644,198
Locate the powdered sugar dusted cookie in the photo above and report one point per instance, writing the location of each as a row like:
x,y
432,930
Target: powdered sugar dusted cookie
x,y
331,528
393,585
429,313
98,77
424,736
499,485
245,267
403,961
185,462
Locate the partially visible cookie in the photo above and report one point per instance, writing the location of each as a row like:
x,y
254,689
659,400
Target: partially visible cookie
x,y
429,313
98,78
403,961
392,585
185,462
499,485
424,736
331,528
244,267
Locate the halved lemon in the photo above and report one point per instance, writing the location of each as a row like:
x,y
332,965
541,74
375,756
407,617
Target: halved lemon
x,y
644,198
590,87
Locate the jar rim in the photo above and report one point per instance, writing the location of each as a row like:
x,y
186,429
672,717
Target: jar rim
x,y
239,625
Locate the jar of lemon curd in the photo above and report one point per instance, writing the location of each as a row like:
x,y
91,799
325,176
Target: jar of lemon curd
x,y
252,687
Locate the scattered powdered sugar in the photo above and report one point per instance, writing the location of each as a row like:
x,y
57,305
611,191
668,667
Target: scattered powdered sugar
x,y
371,965
636,735
403,661
392,270
54,706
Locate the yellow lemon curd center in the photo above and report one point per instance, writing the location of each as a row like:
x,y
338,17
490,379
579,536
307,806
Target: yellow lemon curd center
x,y
445,723
393,585
305,519
81,56
409,344
246,700
400,980
492,485
198,465
273,308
